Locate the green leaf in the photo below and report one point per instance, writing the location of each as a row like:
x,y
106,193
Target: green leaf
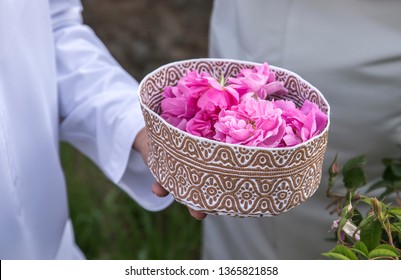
x,y
356,162
396,168
395,227
356,217
388,174
382,254
335,256
360,246
356,251
396,212
365,221
354,178
388,247
345,251
342,221
371,234
366,200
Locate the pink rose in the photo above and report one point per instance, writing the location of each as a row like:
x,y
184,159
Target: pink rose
x,y
180,102
176,107
259,80
217,97
202,124
291,137
232,128
193,83
318,118
237,112
206,92
290,113
254,122
302,124
195,92
266,119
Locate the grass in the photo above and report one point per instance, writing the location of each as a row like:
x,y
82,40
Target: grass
x,y
110,225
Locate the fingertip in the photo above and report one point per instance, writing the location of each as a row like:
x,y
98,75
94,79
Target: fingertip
x,y
196,214
158,190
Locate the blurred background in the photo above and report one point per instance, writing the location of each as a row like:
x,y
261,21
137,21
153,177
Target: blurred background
x,y
142,35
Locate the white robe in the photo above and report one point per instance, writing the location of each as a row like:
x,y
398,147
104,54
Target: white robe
x,y
351,51
58,82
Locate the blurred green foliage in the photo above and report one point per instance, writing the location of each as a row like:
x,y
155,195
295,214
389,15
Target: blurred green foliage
x,y
367,234
109,225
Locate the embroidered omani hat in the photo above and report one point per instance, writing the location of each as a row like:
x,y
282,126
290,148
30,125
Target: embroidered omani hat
x,y
228,179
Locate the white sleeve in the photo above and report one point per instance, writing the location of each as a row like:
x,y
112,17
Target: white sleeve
x,y
98,105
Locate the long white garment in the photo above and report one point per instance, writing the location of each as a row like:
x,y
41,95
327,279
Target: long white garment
x,y
351,51
58,82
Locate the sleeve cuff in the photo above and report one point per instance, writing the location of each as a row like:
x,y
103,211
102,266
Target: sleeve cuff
x,y
137,181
